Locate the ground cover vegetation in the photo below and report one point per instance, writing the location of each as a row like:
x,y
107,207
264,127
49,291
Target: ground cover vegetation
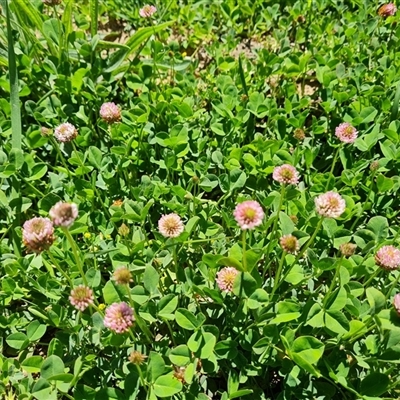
x,y
198,200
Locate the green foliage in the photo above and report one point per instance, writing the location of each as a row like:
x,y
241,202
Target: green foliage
x,y
213,96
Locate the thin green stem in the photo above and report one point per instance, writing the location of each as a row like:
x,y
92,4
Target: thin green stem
x,y
274,231
171,332
305,247
143,382
138,318
62,272
175,257
332,285
396,236
392,286
244,261
57,147
278,273
332,167
74,248
365,203
372,277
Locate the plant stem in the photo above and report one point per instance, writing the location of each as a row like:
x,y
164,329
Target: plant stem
x,y
274,231
175,257
305,247
141,377
57,147
138,318
62,272
392,286
373,276
365,203
76,255
171,332
328,293
244,262
332,168
278,273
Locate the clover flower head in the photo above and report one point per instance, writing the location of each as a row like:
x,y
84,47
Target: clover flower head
x,y
348,249
110,113
137,358
248,214
286,174
122,276
65,132
290,244
388,257
147,11
299,134
119,317
81,297
170,225
387,10
226,277
38,234
346,133
330,205
64,214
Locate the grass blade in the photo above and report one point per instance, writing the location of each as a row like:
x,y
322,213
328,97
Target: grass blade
x,y
14,87
94,17
395,106
134,42
242,77
67,23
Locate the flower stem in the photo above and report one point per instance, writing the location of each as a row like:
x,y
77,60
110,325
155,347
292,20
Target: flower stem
x,y
141,377
56,146
305,247
373,276
332,168
393,285
274,230
170,331
365,203
279,272
62,272
175,257
328,293
244,250
138,318
76,255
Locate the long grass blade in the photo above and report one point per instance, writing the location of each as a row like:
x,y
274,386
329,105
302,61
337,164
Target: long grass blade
x,y
395,106
16,127
94,17
67,23
14,87
27,12
133,43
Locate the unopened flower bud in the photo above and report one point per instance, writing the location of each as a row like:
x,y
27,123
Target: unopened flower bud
x,y
299,134
348,249
374,165
45,131
123,230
